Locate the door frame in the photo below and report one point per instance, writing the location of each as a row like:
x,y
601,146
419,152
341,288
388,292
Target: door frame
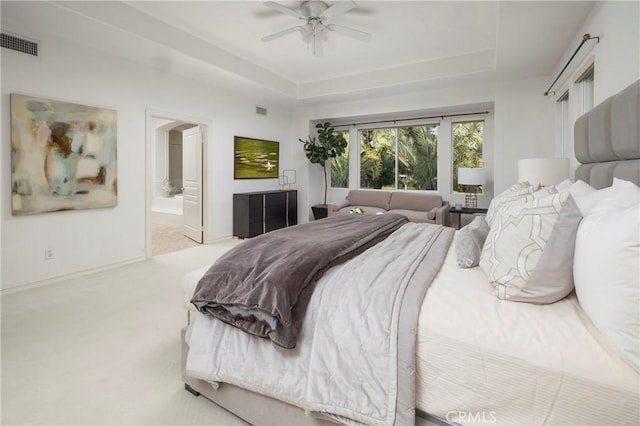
x,y
150,137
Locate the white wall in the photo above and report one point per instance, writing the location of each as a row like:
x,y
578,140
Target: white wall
x,y
93,238
523,126
520,129
616,58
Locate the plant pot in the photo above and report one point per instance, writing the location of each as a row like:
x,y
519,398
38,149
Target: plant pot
x,y
319,211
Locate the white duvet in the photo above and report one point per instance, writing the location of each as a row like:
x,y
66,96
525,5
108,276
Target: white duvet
x,y
344,364
486,361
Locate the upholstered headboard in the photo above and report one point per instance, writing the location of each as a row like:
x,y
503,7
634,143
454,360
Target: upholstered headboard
x,y
607,140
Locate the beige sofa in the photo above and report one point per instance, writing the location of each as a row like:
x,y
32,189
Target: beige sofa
x,y
417,206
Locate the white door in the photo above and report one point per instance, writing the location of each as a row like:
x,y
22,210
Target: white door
x,y
192,183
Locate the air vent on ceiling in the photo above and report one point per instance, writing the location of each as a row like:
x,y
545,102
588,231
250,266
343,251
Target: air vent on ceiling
x,y
261,110
19,44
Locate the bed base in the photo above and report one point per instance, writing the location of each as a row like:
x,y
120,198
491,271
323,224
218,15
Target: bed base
x,y
255,408
251,407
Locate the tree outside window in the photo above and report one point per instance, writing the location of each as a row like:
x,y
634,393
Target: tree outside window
x,y
467,148
414,147
418,157
340,166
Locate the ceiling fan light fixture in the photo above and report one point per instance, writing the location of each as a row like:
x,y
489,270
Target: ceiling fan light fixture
x,y
314,12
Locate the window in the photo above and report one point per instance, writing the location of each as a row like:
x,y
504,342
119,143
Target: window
x,y
399,158
563,103
467,138
340,166
377,158
418,157
586,81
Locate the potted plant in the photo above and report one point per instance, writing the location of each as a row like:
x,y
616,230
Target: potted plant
x,y
326,146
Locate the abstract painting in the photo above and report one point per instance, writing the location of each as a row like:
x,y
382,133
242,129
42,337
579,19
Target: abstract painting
x,y
255,158
63,156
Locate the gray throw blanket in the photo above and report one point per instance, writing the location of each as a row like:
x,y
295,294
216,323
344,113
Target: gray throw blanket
x,y
264,285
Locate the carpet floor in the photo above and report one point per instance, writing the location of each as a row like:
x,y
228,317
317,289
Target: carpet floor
x,y
168,238
104,349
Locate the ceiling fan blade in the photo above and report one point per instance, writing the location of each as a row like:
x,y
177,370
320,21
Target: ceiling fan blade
x,y
281,33
338,8
350,32
282,9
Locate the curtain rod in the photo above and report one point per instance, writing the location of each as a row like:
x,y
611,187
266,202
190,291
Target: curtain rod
x,y
585,38
411,119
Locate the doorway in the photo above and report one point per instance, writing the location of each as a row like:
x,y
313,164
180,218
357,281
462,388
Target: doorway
x,y
175,208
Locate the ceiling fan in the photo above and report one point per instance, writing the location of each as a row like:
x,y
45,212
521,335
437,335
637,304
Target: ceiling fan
x,y
316,14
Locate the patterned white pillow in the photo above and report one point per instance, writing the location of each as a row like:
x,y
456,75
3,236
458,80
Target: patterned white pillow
x,y
528,254
520,197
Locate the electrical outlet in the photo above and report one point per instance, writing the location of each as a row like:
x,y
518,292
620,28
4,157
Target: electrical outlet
x,y
48,254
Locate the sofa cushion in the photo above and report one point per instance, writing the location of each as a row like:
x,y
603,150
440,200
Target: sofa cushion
x,y
415,201
366,209
414,215
362,198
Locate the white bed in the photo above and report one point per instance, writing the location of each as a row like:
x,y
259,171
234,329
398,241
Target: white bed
x,y
525,363
481,360
487,360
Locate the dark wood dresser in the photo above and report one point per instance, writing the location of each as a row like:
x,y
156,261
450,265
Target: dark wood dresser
x,y
255,213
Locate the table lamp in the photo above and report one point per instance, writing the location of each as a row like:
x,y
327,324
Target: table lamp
x,y
470,177
543,171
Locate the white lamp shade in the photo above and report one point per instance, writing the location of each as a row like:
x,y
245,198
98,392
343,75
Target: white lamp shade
x,y
543,171
468,176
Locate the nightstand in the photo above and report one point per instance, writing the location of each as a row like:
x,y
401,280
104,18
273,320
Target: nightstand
x,y
465,210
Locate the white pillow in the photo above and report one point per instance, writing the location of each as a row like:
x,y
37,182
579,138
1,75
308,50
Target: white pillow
x,y
620,195
528,254
564,185
580,191
606,270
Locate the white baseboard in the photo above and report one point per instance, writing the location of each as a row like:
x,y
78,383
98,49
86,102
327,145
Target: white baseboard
x,y
220,239
36,284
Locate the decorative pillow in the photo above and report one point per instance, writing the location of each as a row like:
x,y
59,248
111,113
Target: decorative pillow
x,y
469,242
606,270
520,198
514,191
528,254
